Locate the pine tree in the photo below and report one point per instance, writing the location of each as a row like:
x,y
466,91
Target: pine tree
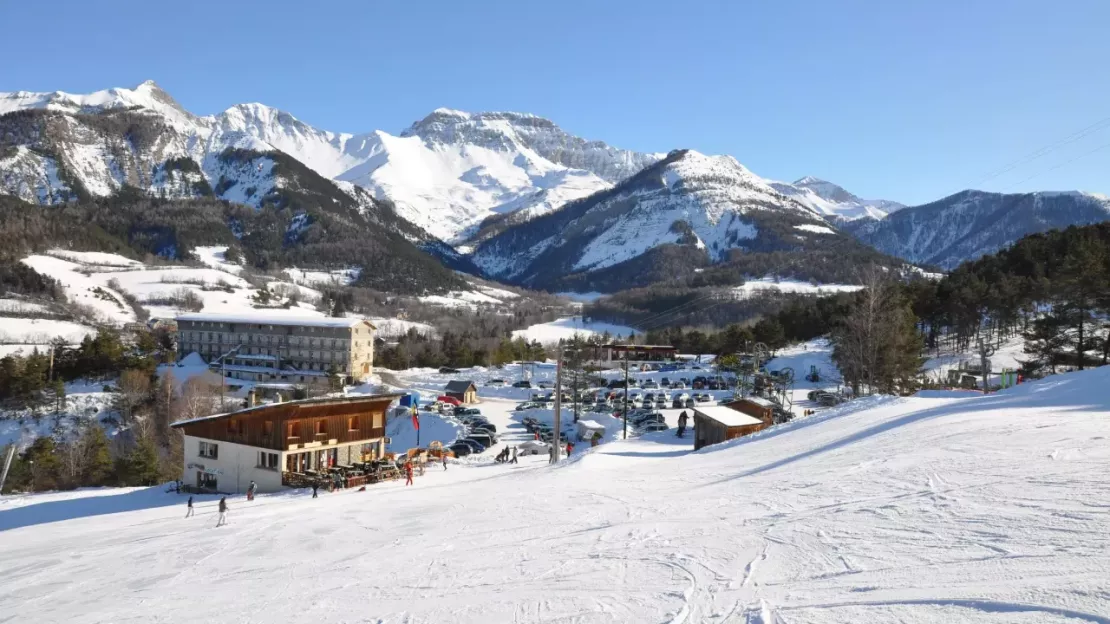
x,y
141,466
96,456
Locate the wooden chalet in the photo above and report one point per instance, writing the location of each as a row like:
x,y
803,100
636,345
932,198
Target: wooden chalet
x,y
283,444
718,423
464,391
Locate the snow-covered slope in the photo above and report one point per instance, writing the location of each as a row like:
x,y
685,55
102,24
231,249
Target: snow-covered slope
x,y
971,224
833,201
707,205
918,510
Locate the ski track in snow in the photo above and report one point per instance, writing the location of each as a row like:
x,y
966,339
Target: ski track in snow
x,y
934,509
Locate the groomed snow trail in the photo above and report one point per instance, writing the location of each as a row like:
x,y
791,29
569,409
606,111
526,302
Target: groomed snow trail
x,y
988,509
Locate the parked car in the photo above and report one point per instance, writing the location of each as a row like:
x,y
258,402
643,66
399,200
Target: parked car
x,y
664,383
680,401
533,447
486,439
524,383
714,385
654,426
678,385
496,383
447,370
483,426
460,449
543,385
702,398
616,383
467,411
650,383
475,446
649,417
662,399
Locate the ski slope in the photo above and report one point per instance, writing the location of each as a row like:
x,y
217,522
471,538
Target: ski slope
x,y
990,509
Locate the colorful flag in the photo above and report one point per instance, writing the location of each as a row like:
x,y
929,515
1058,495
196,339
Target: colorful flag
x,y
415,420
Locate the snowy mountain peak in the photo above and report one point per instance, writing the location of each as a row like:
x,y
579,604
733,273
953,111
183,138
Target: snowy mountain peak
x,y
833,201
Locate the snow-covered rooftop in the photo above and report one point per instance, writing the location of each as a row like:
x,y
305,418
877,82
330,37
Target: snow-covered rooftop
x,y
307,321
727,416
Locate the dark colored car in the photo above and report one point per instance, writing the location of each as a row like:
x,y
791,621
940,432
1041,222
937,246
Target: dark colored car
x,y
522,384
460,449
475,446
447,370
484,438
483,426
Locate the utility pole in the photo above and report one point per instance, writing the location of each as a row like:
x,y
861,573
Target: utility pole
x,y
7,465
626,395
558,400
223,374
985,352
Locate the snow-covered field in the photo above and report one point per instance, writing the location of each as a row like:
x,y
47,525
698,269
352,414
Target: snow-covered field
x,y
338,277
36,331
566,328
86,277
987,509
790,286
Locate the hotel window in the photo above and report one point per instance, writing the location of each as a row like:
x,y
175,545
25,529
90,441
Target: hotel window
x,y
319,427
293,430
209,450
352,423
267,460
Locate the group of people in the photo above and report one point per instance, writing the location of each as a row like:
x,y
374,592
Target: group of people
x,y
503,456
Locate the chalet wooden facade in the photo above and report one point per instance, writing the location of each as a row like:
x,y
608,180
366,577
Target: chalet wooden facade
x,y
718,423
225,452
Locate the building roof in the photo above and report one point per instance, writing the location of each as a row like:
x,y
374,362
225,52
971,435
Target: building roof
x,y
760,401
727,416
369,398
460,386
264,319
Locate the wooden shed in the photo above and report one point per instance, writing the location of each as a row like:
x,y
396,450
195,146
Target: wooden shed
x,y
756,407
464,391
716,424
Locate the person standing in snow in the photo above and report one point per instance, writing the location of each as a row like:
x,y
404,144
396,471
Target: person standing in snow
x,y
553,453
223,513
250,490
682,420
315,486
408,473
189,505
570,448
513,460
444,456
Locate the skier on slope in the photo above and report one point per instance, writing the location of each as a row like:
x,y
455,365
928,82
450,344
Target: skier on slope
x,y
223,513
250,490
444,456
408,473
513,460
189,505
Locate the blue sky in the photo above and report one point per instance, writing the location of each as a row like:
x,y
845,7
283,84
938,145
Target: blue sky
x,y
896,99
